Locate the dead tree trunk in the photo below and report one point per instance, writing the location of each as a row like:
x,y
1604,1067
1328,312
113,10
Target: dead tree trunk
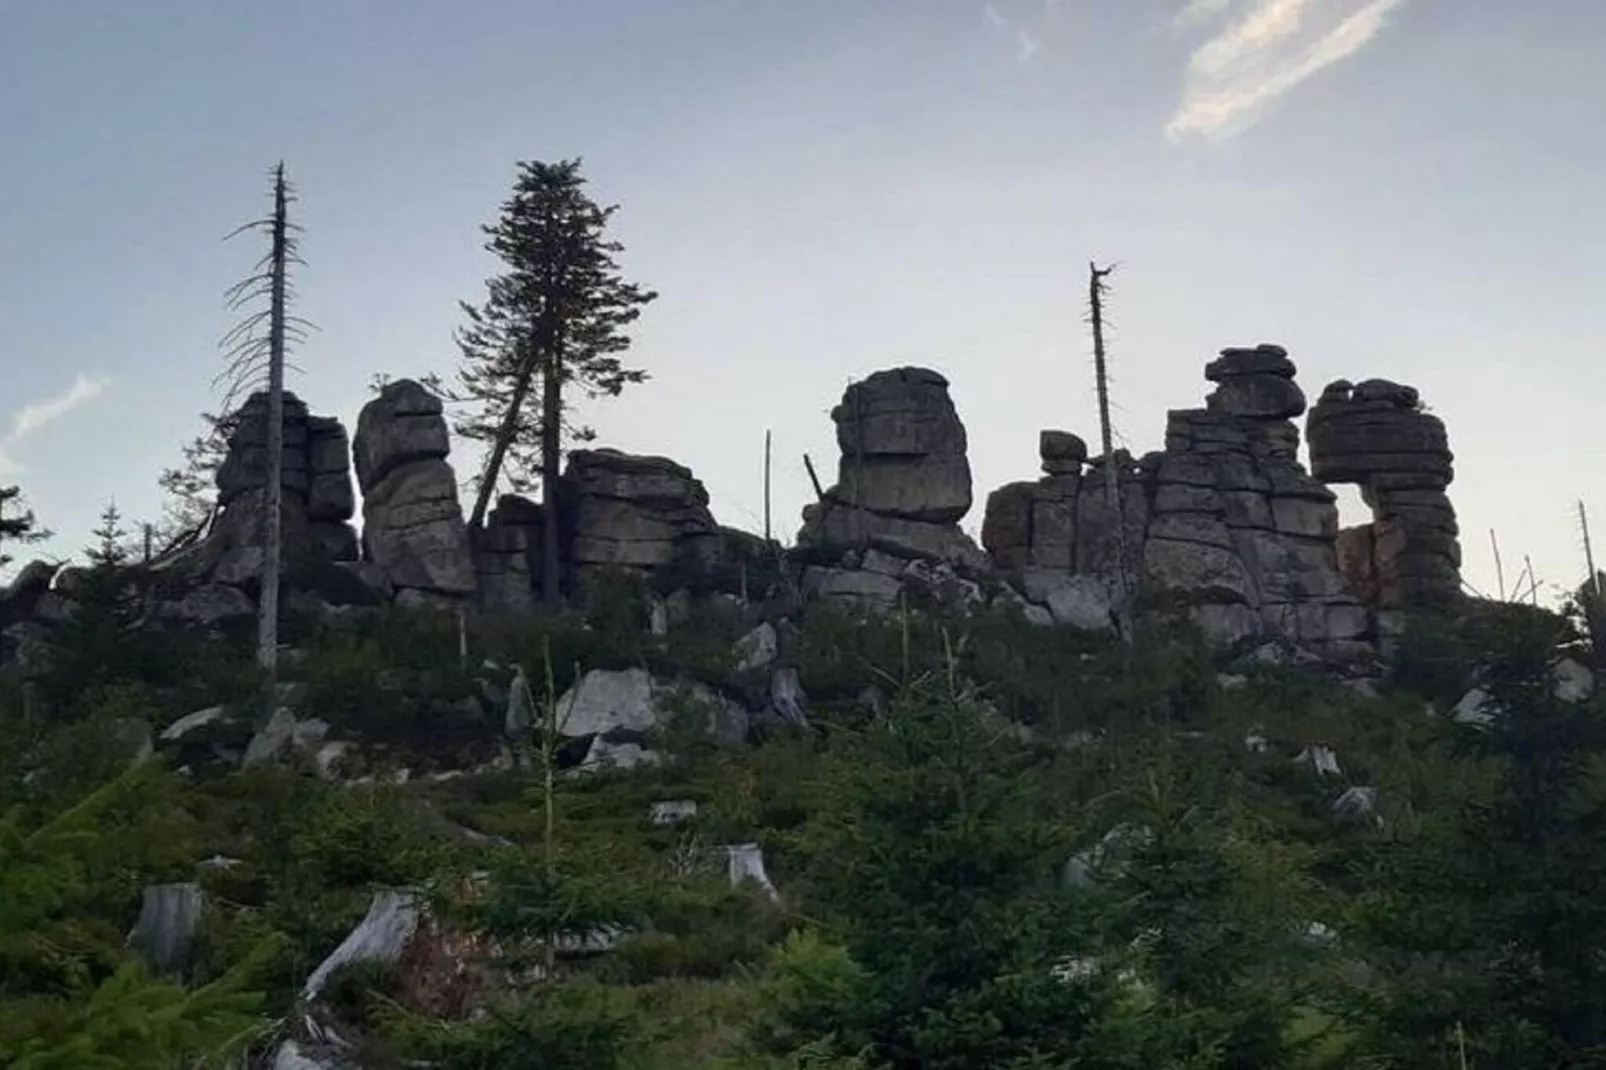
x,y
273,518
1096,289
499,447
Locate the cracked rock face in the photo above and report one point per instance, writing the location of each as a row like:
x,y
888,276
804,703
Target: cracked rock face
x,y
317,495
631,511
1225,516
903,477
412,523
1377,435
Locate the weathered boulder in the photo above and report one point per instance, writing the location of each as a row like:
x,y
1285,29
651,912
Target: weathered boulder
x,y
1256,383
403,425
507,555
412,523
903,477
1033,525
23,594
316,480
626,706
631,512
208,605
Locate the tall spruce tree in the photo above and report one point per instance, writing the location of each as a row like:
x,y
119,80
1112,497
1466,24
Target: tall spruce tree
x,y
555,319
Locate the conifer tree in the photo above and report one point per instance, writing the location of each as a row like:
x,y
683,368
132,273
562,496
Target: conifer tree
x,y
191,487
16,526
110,550
555,319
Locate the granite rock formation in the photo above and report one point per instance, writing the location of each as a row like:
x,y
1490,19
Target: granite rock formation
x,y
630,512
1224,516
903,479
620,512
317,495
507,555
1376,434
412,523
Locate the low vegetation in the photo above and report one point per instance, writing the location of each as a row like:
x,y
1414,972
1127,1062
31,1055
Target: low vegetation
x,y
1145,877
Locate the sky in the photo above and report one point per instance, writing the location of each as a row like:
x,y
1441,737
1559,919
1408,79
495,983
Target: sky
x,y
1407,189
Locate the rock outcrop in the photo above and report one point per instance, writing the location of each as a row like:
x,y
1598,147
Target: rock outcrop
x,y
903,479
507,555
1224,517
631,512
412,523
318,501
1376,434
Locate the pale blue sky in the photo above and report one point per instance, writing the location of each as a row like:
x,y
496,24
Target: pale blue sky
x,y
1397,188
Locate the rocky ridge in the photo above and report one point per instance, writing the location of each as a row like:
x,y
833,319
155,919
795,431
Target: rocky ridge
x,y
1224,519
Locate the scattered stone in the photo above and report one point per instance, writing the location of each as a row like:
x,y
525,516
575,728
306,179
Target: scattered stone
x,y
328,758
210,604
1573,680
672,812
194,722
1076,600
1357,803
282,734
607,755
1321,759
757,649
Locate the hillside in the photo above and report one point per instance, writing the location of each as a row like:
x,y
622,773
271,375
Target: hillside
x,y
770,835
1199,781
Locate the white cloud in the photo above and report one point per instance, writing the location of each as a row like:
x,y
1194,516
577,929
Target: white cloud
x,y
1026,46
1266,49
37,415
1026,43
1199,11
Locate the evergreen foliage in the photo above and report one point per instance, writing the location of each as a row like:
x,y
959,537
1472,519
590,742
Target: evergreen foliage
x,y
930,913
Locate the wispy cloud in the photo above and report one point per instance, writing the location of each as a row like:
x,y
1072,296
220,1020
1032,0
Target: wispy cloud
x,y
1027,44
1261,49
37,415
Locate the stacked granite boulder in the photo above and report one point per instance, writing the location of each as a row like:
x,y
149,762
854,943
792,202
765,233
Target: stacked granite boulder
x,y
632,513
1376,434
317,498
903,479
1063,520
1238,525
412,523
1224,516
507,555
316,464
